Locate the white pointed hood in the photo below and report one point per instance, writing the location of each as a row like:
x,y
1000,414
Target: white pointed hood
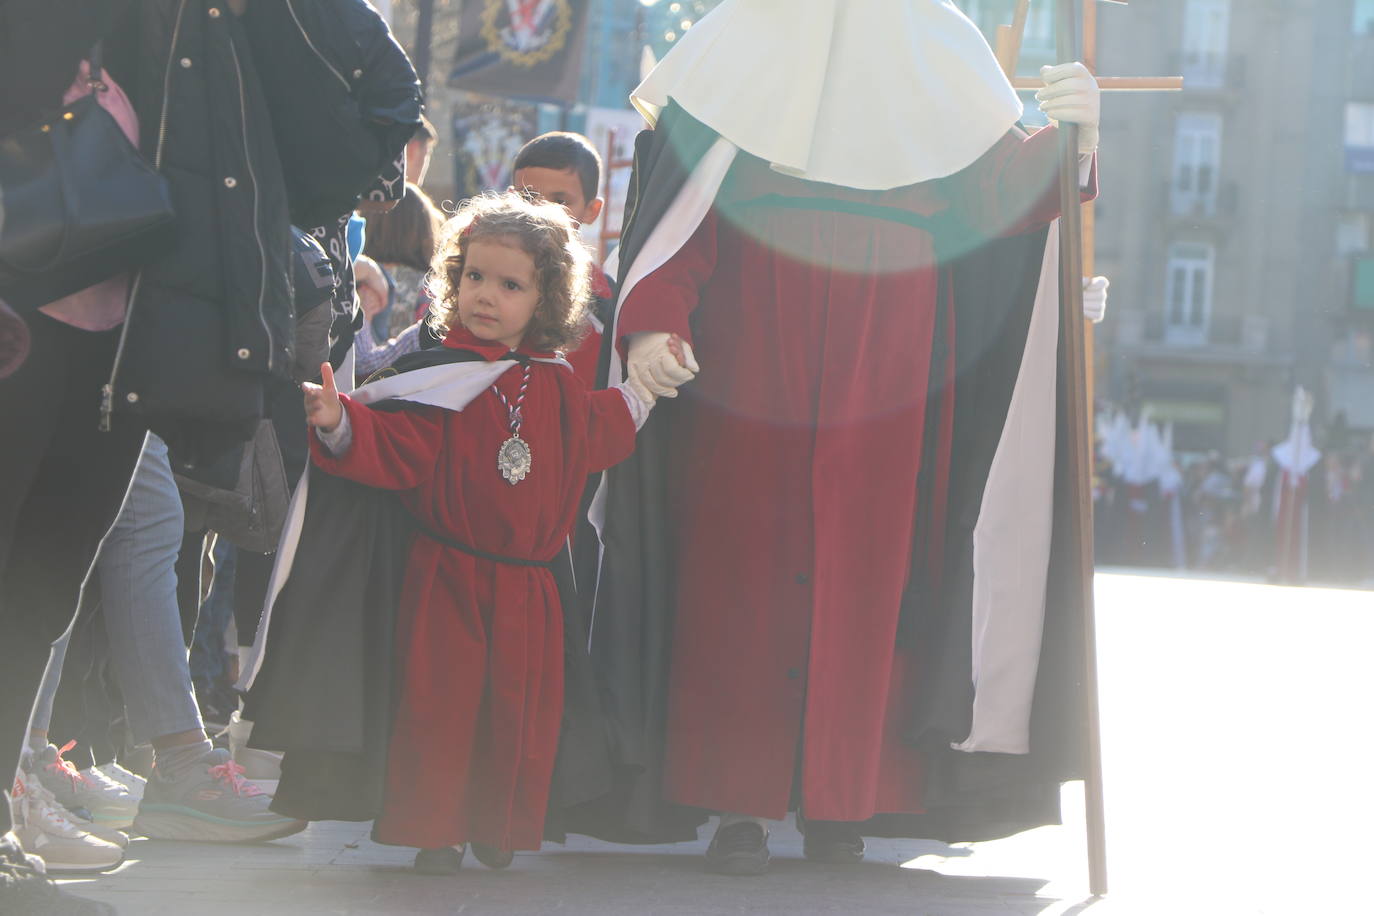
x,y
869,94
1296,454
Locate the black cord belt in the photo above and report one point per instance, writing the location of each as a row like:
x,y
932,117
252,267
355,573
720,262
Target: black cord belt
x,y
473,551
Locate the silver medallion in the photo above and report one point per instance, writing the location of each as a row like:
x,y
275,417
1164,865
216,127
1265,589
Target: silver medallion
x,y
514,459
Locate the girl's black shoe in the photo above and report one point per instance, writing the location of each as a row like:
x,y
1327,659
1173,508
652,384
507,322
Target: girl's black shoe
x,y
739,849
492,857
443,861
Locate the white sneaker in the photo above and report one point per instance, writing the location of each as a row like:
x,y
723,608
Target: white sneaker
x,y
127,778
109,802
108,834
45,830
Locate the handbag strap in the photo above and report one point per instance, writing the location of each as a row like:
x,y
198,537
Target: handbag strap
x,y
94,71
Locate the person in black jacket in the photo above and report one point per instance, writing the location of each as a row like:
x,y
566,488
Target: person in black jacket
x,y
63,480
207,325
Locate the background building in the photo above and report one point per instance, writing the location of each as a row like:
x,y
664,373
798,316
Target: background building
x,y
1235,219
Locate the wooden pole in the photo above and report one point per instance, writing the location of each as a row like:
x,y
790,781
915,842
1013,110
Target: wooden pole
x,y
1089,42
1079,449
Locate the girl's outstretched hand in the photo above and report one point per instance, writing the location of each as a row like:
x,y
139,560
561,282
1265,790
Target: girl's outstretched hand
x,y
323,409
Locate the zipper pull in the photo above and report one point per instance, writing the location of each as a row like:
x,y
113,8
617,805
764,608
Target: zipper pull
x,y
106,406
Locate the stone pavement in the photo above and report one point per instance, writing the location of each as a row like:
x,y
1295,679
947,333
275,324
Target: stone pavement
x,y
1237,748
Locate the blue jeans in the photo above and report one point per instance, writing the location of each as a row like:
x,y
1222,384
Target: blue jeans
x,y
138,599
209,657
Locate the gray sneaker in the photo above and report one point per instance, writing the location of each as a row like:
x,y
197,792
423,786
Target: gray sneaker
x,y
210,802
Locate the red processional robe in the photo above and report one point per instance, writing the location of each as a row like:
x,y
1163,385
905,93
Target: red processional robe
x,y
480,642
793,478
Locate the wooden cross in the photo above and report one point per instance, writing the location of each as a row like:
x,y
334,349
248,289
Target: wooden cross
x,y
1076,261
1008,49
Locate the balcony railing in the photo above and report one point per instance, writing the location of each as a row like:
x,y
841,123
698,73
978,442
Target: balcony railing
x,y
1203,71
1221,205
1222,334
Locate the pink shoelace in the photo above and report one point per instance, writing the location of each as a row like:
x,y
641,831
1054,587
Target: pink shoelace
x,y
65,767
231,773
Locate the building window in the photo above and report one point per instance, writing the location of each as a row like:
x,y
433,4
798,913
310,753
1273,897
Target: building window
x,y
1206,24
1197,156
1359,137
1039,38
1362,287
1363,23
1352,233
1188,294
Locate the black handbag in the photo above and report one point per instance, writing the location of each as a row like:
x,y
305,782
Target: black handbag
x,y
78,204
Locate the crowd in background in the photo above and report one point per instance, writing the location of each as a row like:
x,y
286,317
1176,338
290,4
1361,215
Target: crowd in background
x,y
1160,508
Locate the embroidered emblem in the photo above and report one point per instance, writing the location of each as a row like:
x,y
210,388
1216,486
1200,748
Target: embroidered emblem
x,y
526,32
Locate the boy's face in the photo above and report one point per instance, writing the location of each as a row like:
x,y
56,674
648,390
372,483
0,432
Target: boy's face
x,y
418,151
560,186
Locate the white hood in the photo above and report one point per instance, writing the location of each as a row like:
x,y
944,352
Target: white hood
x,y
868,94
1296,454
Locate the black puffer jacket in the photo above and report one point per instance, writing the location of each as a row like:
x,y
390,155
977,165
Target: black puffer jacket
x,y
354,103
221,103
212,320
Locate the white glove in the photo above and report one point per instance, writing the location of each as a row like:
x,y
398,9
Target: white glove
x,y
653,370
1071,94
1095,298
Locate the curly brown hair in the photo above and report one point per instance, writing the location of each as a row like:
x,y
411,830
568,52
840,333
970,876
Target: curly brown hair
x,y
544,231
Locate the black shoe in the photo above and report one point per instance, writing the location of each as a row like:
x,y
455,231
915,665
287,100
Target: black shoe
x,y
739,849
835,842
26,891
443,861
492,857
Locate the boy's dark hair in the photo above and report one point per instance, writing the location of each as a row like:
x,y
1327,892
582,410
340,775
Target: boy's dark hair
x,y
564,150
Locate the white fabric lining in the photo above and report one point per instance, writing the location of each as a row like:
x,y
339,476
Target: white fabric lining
x,y
1011,540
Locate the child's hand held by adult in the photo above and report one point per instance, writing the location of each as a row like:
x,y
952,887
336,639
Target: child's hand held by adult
x,y
658,363
323,409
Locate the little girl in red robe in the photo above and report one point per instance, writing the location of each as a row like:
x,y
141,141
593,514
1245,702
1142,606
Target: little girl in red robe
x,y
493,487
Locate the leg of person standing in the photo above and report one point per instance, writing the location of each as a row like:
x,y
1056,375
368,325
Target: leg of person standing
x,y
64,481
194,793
65,840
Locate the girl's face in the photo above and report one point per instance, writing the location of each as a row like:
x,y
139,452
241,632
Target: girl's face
x,y
498,293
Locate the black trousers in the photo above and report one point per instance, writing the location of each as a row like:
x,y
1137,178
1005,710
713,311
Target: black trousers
x,y
61,485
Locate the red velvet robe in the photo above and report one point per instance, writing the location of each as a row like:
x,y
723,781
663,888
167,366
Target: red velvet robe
x,y
481,697
796,481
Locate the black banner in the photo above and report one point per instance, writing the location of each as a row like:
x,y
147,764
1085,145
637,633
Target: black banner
x,y
526,49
